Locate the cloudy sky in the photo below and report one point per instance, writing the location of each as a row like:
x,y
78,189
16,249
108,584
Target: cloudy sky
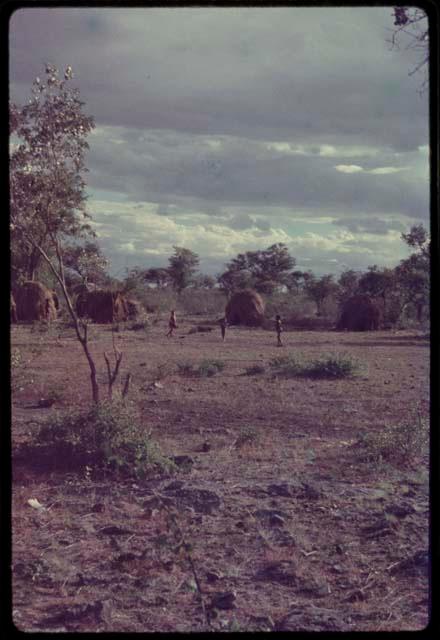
x,y
229,129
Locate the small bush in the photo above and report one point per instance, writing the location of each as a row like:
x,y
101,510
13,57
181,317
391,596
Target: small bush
x,y
287,366
331,366
398,443
209,368
108,434
246,435
186,369
254,370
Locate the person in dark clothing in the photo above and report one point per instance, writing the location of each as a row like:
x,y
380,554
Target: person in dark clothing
x,y
223,324
278,329
172,324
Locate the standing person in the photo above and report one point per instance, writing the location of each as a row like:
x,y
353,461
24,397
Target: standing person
x,y
223,324
172,324
278,329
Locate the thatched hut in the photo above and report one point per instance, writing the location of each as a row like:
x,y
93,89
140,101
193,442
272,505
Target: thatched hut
x,y
102,306
245,307
35,302
359,313
13,310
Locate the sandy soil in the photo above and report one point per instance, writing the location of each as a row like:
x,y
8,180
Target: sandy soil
x,y
291,526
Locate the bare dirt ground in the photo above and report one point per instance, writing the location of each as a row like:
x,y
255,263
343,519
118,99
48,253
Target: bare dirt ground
x,y
291,527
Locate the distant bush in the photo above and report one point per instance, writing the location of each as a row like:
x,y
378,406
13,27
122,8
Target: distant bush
x,y
287,366
330,366
108,434
255,370
209,368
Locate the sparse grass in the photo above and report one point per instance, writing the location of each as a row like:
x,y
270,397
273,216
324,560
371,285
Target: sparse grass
x,y
206,369
246,435
163,370
400,443
108,434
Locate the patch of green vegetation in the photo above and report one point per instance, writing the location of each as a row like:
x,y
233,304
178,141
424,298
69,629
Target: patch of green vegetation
x,y
330,366
246,435
109,434
397,443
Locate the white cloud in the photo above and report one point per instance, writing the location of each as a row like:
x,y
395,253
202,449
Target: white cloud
x,y
386,170
348,168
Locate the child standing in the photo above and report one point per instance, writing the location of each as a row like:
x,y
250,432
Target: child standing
x,y
223,324
172,324
278,329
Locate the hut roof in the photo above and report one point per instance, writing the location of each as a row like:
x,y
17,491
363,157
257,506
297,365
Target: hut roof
x,y
245,307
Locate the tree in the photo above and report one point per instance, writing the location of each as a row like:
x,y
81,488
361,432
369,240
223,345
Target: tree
x,y
411,30
182,268
158,276
232,280
265,270
319,289
204,282
47,200
348,284
379,283
418,238
294,280
87,262
413,273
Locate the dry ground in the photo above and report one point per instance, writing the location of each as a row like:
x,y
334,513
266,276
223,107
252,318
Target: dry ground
x,y
283,512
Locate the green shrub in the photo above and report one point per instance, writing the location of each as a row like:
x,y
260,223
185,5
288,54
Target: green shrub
x,y
287,366
331,366
398,443
209,368
109,434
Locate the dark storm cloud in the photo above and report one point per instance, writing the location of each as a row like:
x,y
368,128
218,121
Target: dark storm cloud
x,y
246,174
311,74
370,224
218,129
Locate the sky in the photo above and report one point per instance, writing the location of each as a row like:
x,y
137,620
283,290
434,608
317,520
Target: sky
x,y
225,130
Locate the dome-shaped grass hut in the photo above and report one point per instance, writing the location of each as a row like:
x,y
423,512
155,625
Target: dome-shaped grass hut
x,y
102,306
245,307
359,313
34,302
